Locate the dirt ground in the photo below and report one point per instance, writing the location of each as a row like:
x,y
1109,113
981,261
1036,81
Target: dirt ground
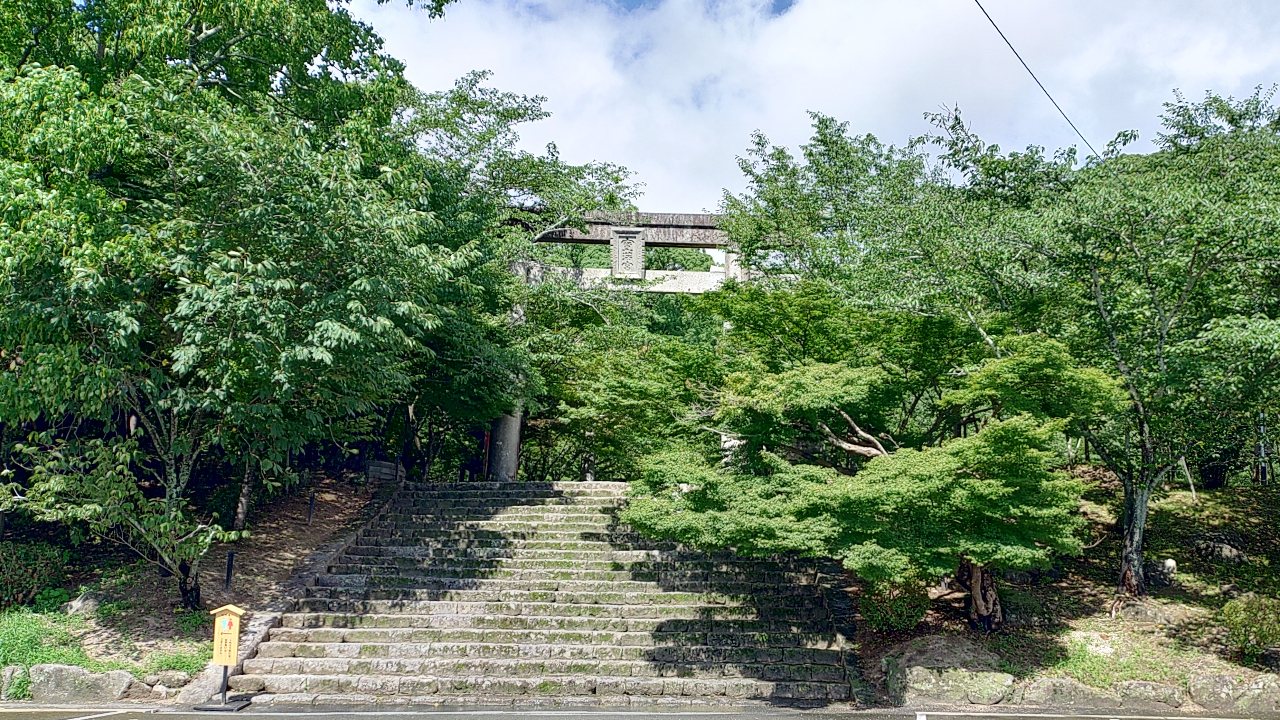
x,y
137,611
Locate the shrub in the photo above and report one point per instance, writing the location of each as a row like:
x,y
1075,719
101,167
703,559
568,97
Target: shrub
x,y
50,599
894,606
28,568
1253,624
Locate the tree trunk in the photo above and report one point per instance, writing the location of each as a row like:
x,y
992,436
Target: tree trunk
x,y
1137,498
246,497
189,586
985,612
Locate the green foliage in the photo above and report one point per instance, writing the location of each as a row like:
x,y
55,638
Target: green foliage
x,y
27,570
28,639
196,623
1155,269
990,498
231,233
50,599
888,606
191,662
112,611
19,687
1253,624
1037,376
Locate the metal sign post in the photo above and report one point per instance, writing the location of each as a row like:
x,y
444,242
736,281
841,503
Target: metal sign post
x,y
226,651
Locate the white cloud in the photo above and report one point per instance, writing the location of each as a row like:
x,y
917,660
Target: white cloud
x,y
673,88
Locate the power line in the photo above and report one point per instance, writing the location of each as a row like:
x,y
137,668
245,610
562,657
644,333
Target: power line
x,y
1061,112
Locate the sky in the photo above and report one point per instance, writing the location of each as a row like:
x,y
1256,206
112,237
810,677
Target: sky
x,y
673,89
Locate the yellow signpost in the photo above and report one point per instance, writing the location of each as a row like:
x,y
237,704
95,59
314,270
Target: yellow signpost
x,y
226,635
226,650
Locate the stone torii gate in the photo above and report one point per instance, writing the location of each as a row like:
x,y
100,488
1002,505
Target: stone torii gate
x,y
627,235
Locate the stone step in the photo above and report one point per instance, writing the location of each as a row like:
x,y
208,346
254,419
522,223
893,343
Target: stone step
x,y
409,576
367,539
534,593
540,666
505,518
784,621
796,622
695,654
503,490
481,507
358,690
364,587
500,525
814,640
598,553
456,537
695,569
576,618
537,667
521,603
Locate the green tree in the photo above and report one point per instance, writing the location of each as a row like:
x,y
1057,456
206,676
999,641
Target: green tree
x,y
230,232
1148,267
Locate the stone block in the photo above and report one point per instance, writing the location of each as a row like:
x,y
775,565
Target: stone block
x,y
69,685
1260,697
1064,693
944,669
138,690
378,685
419,686
8,676
1214,692
1140,693
247,683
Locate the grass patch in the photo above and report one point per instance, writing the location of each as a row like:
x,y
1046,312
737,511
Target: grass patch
x,y
1111,655
108,612
195,623
190,662
28,638
1084,663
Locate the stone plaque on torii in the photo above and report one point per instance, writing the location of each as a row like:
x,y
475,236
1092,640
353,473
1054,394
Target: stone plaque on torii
x,y
628,235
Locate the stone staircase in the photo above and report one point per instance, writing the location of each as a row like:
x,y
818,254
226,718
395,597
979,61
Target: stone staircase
x,y
533,593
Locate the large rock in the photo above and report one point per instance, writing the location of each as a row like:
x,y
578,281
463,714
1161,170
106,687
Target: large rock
x,y
138,690
1262,696
7,676
1140,693
1214,551
1063,693
1143,612
86,604
1214,692
944,669
66,684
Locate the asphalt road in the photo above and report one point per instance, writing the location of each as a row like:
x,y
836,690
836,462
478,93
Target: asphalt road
x,y
20,713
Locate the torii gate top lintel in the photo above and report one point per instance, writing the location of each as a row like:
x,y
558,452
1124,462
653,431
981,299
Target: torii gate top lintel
x,y
628,234
692,230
